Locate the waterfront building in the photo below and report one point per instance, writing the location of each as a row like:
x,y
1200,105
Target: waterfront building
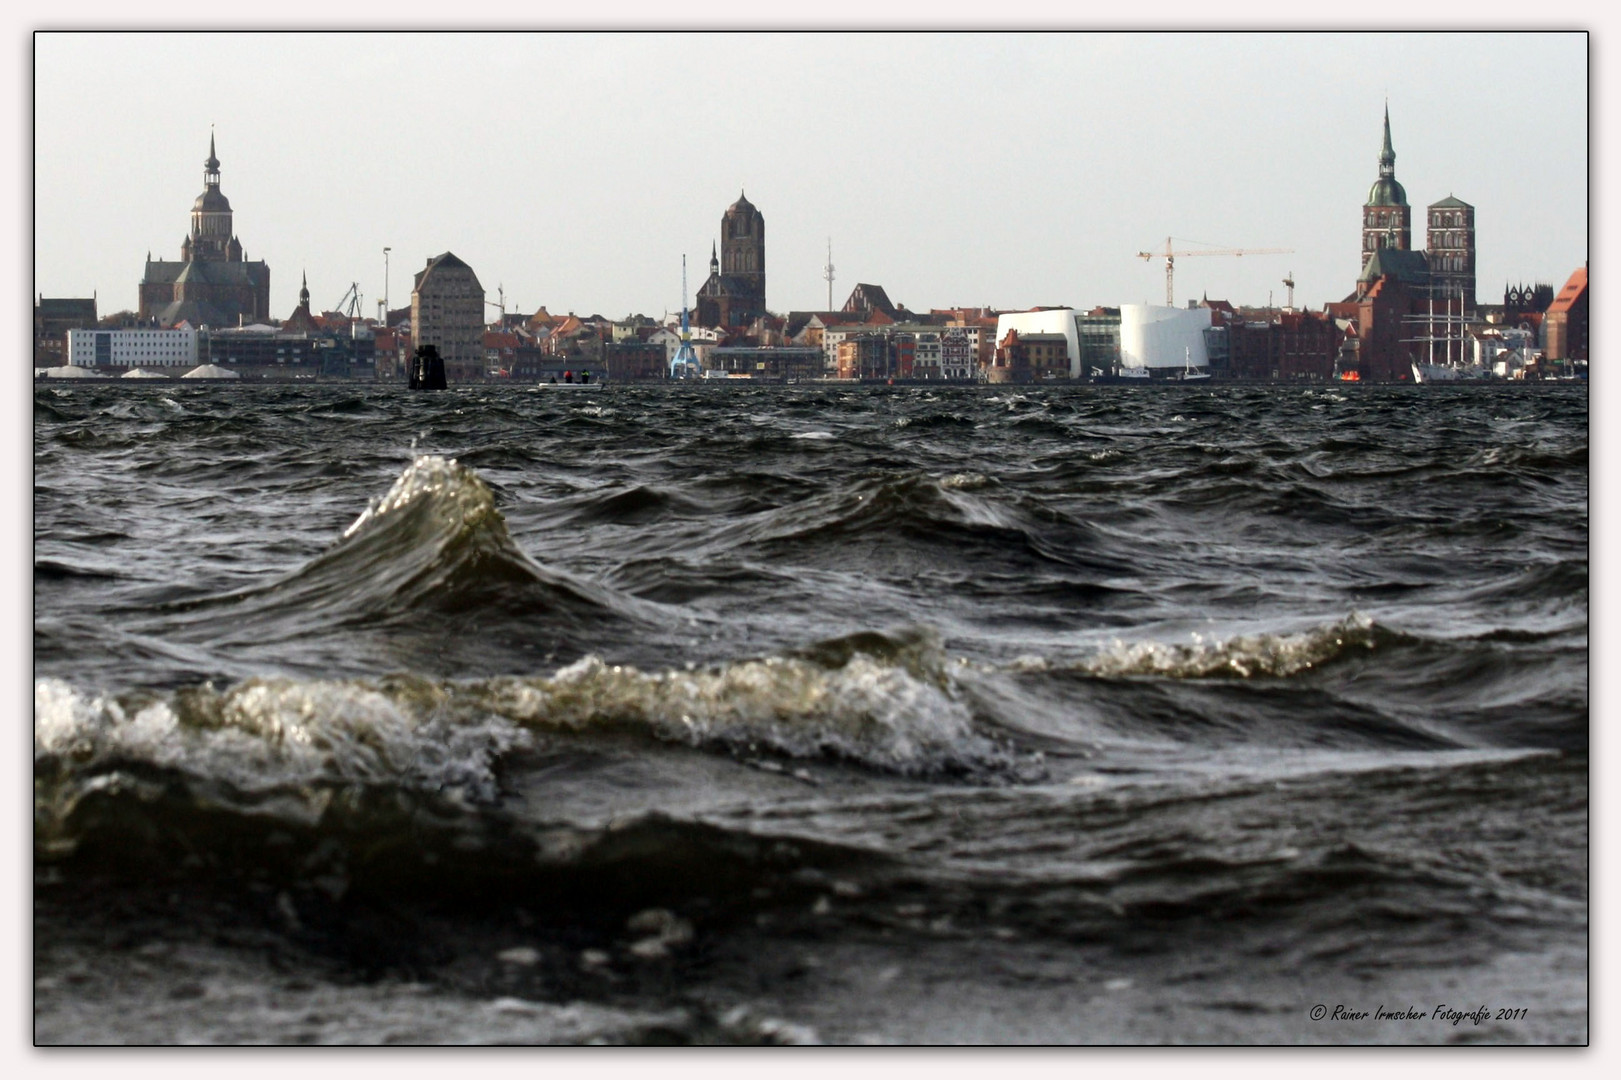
x,y
734,293
837,333
863,355
1390,296
1291,345
635,360
53,318
500,352
213,284
260,351
1098,338
958,350
980,326
769,363
137,347
1030,357
1565,325
1163,339
447,311
1056,320
391,353
1505,351
925,355
1387,220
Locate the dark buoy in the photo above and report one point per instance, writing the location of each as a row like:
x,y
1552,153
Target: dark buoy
x,y
427,369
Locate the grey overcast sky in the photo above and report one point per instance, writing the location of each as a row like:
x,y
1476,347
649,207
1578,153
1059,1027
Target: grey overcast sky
x,y
955,168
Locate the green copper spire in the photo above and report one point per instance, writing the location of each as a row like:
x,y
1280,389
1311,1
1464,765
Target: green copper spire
x,y
1386,190
1387,154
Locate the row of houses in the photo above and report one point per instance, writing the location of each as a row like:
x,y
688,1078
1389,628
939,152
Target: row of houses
x,y
1378,336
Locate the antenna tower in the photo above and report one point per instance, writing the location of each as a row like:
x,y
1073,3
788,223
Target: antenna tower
x,y
827,273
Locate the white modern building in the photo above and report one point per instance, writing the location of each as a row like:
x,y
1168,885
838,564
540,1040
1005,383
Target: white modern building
x,y
133,348
1045,321
1163,337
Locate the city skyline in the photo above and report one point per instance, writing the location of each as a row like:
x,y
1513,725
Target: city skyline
x,y
1007,169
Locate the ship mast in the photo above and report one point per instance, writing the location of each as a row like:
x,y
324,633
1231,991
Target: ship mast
x,y
685,361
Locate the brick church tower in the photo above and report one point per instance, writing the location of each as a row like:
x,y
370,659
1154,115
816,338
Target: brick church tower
x,y
1387,220
734,294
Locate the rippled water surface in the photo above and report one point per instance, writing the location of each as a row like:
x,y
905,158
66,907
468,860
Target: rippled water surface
x,y
733,714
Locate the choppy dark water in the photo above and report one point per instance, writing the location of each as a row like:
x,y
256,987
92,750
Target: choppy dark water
x,y
722,714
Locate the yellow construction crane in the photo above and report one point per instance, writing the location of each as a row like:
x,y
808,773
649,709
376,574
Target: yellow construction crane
x,y
1170,260
501,291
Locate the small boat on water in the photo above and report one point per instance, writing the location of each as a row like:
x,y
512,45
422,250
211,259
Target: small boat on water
x,y
1190,373
572,380
1433,373
1120,374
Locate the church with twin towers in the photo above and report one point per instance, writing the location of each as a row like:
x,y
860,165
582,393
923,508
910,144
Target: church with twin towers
x,y
1446,266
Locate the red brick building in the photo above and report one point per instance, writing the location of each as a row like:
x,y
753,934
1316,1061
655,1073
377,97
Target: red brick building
x,y
1384,352
1565,324
1295,345
1025,358
634,360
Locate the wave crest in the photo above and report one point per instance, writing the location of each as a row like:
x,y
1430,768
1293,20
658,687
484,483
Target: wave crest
x,y
265,737
1244,656
879,701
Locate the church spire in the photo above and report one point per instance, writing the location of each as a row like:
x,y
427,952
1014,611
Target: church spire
x,y
714,260
211,167
1387,153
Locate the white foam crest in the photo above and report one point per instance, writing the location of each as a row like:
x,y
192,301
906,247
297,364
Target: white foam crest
x,y
1245,655
431,476
268,734
868,710
968,481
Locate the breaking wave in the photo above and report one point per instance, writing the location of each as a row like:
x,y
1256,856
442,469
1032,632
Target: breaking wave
x,y
282,745
1242,656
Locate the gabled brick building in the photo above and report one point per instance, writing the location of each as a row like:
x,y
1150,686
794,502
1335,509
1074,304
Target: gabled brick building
x,y
1565,324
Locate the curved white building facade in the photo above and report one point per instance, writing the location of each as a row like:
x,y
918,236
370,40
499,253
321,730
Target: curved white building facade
x,y
1050,321
1162,337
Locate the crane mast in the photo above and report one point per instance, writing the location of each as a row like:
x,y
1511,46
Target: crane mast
x,y
501,305
1170,257
349,305
684,364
